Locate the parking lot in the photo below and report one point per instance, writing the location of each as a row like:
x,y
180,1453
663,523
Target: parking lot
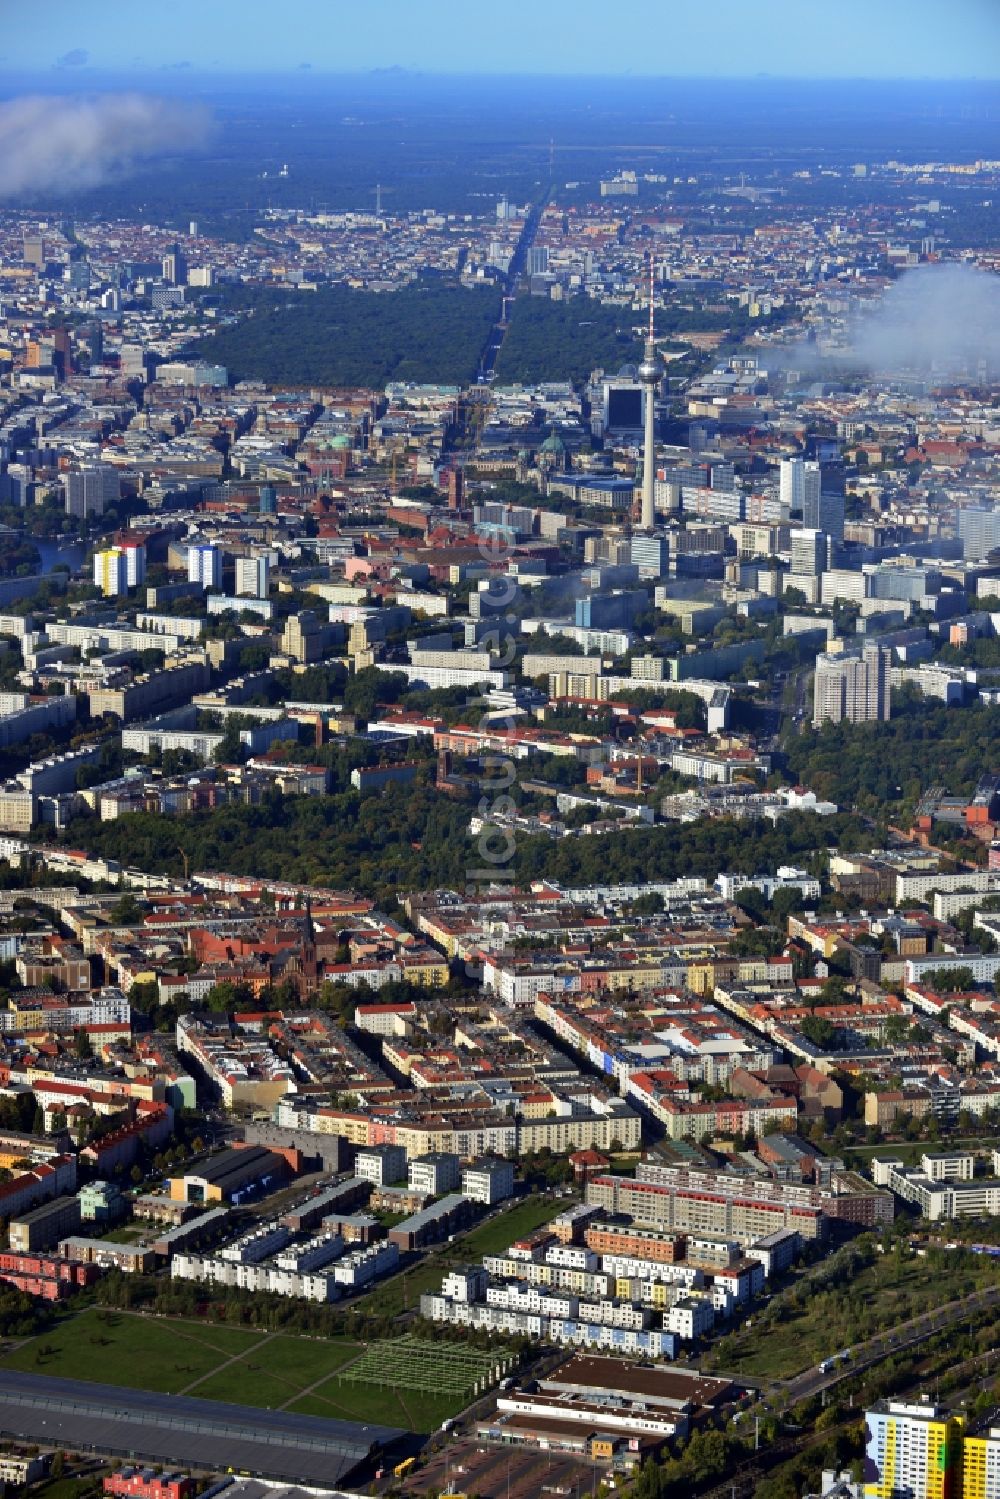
x,y
470,1467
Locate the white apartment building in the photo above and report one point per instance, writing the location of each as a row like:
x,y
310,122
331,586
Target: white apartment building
x,y
205,565
488,1181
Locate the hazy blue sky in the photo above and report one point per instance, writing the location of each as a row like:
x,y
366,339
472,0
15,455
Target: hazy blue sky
x,y
808,38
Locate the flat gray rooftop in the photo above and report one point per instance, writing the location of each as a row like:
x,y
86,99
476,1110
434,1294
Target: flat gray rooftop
x,y
139,1425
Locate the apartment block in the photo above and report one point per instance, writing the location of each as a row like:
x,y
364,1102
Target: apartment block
x,y
434,1174
914,1450
488,1181
854,689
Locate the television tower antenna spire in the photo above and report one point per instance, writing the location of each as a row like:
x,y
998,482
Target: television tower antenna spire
x,y
649,376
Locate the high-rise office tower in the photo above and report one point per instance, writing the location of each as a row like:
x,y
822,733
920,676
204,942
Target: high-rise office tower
x,y
175,267
650,554
649,374
808,552
88,491
456,488
94,336
77,273
823,512
34,251
53,351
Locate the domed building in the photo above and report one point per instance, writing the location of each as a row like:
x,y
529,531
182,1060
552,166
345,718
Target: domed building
x,y
552,454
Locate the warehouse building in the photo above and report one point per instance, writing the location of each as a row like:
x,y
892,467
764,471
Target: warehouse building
x,y
140,1425
231,1176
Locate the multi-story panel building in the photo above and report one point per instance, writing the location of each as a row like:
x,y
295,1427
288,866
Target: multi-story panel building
x,y
111,572
981,1466
852,688
88,491
979,529
676,1200
488,1181
434,1173
253,576
205,566
914,1450
799,483
808,552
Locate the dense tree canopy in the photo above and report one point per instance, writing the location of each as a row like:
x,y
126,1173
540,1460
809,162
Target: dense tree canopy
x,y
409,838
338,336
565,340
879,766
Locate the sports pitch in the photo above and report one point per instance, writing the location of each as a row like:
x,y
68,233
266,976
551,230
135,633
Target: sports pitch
x,y
273,1370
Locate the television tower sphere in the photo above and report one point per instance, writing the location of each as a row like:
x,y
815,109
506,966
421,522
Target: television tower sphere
x,y
649,369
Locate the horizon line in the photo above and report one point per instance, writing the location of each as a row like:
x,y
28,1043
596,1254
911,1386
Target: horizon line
x,y
81,74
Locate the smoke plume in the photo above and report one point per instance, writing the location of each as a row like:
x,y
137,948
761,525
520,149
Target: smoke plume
x,y
65,145
935,316
940,318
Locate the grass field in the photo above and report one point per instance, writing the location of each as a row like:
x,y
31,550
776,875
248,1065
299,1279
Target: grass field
x,y
411,1409
497,1233
910,1151
403,1291
224,1363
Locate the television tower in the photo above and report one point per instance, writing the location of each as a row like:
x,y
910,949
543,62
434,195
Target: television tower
x,y
649,375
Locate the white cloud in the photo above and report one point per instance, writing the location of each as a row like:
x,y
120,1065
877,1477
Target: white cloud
x,y
64,145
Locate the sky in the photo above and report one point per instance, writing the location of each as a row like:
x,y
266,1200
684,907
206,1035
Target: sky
x,y
76,39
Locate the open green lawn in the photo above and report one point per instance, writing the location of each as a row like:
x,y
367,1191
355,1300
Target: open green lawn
x,y
403,1291
68,1488
129,1233
275,1373
910,1151
491,1237
143,1353
222,1363
365,1402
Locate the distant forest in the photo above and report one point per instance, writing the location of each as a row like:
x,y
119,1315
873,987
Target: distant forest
x,y
430,331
